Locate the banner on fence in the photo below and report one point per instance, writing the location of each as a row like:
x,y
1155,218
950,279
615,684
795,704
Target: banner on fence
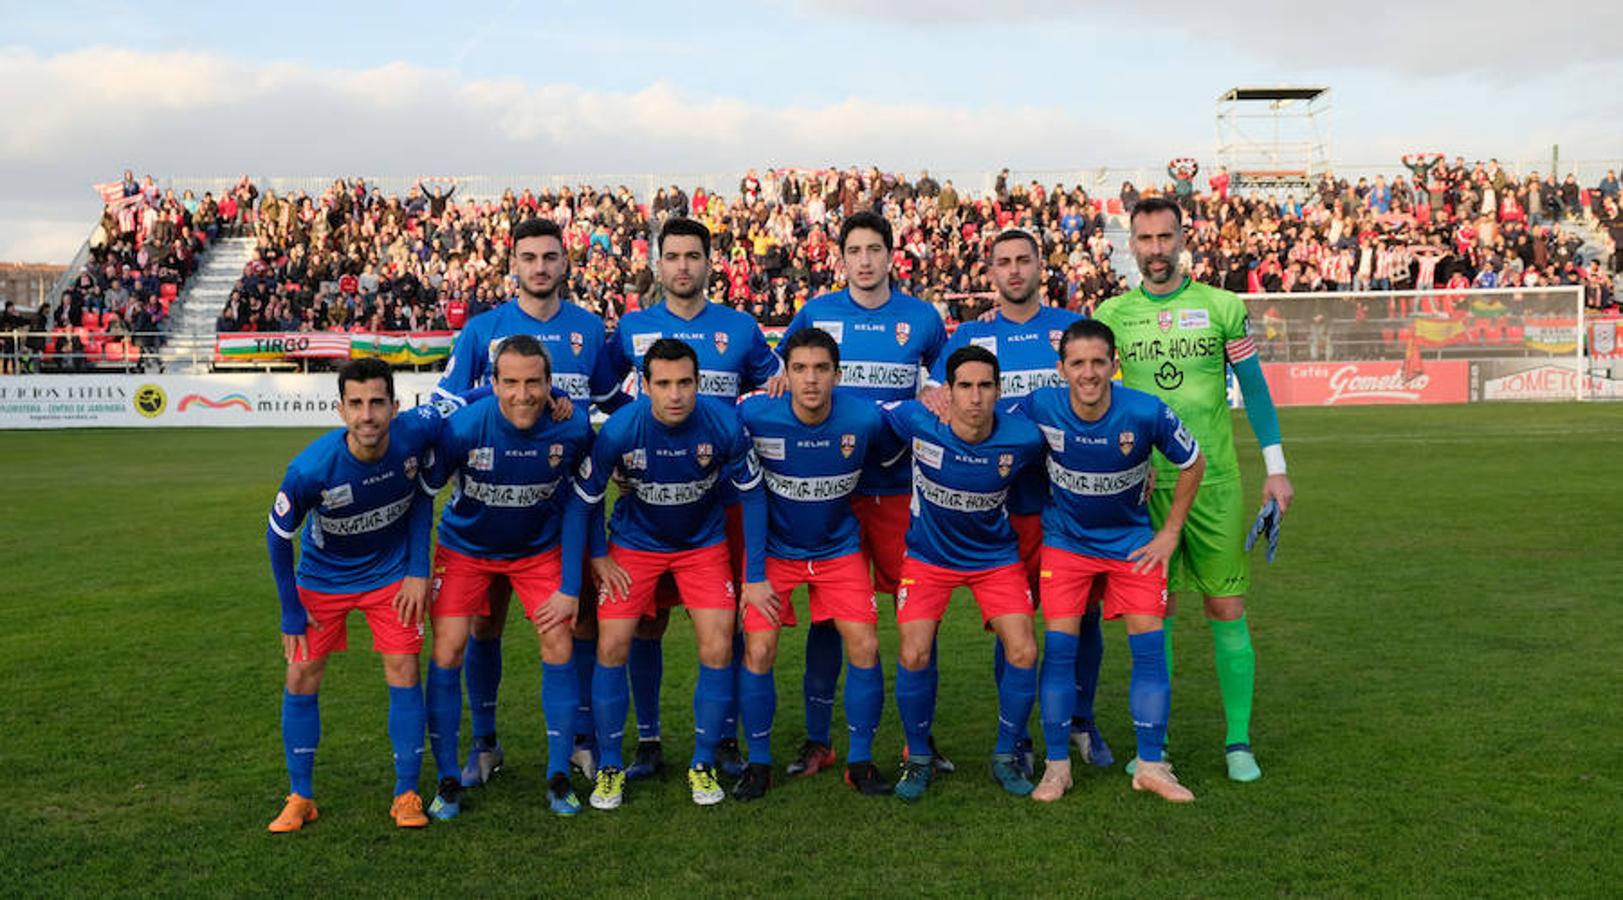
x,y
1363,382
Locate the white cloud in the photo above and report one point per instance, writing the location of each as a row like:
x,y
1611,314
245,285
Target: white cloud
x,y
1504,40
84,116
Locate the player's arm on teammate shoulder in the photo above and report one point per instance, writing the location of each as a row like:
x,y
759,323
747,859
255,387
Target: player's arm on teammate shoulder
x,y
564,604
591,484
1241,353
293,499
885,447
744,468
1175,442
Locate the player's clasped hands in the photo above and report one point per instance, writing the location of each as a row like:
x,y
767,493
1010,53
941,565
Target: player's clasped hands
x,y
411,601
766,601
614,582
1158,552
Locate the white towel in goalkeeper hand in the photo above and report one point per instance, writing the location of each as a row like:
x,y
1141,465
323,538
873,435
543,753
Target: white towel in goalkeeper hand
x,y
1268,520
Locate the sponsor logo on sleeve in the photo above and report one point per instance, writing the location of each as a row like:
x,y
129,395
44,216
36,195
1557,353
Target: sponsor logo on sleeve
x,y
770,448
927,453
283,505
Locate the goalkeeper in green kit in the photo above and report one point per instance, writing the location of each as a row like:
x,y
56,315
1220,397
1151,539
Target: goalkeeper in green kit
x,y
1174,337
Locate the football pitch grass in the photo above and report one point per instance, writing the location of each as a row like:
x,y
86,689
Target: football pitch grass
x,y
1437,703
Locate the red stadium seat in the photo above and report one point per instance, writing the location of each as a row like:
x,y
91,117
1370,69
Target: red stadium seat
x,y
168,291
113,351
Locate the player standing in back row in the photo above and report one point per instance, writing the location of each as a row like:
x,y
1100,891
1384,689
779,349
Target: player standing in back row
x,y
885,336
1174,336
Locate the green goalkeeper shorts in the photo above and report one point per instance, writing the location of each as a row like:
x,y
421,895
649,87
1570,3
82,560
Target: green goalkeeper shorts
x,y
1211,557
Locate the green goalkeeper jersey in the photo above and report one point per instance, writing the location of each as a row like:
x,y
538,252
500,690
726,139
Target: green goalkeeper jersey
x,y
1177,347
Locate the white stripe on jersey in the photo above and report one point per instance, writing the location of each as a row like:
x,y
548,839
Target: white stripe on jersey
x,y
813,489
576,385
858,373
952,498
677,493
1018,384
371,520
1096,484
509,496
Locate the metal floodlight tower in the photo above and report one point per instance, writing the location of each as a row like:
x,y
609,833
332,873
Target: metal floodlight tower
x,y
1274,136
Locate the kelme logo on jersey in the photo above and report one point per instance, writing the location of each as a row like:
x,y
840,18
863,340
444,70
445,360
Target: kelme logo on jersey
x,y
555,455
1005,462
903,332
704,453
1164,319
720,340
1124,441
848,445
1169,377
577,342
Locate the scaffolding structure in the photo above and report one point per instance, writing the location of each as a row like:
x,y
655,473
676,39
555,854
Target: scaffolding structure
x,y
1274,136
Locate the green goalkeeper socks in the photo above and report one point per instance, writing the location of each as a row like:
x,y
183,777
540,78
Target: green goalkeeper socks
x,y
1236,676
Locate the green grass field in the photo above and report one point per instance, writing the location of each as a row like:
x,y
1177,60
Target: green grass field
x,y
1437,712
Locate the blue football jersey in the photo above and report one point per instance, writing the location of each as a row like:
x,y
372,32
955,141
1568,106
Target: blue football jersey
x,y
881,353
958,515
510,489
573,337
733,354
1028,358
673,500
1098,469
357,537
811,471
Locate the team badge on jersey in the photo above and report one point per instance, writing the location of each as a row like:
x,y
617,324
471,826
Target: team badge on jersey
x,y
482,459
848,445
411,467
1125,442
1005,462
903,332
704,453
555,455
1054,334
577,342
1164,319
720,339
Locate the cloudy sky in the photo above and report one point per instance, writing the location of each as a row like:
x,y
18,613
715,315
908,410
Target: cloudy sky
x,y
217,89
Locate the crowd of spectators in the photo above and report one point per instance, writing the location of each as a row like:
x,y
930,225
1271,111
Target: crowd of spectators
x,y
356,258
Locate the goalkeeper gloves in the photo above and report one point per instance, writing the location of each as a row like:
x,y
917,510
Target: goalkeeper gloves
x,y
1268,521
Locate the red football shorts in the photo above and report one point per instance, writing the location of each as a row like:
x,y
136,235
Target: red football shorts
x,y
1070,579
666,595
327,628
1029,531
701,576
462,583
883,522
925,590
837,588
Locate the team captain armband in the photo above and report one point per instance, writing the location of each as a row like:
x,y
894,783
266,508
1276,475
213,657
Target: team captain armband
x,y
1240,349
